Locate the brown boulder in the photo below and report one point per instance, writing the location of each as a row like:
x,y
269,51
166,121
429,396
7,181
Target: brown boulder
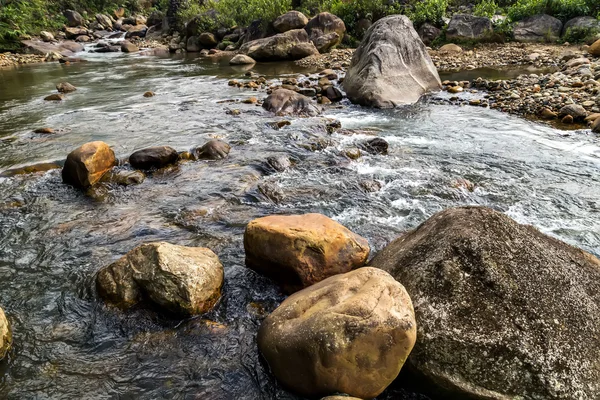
x,y
325,24
300,250
350,333
290,20
283,46
54,97
73,33
128,47
596,125
182,280
86,164
208,40
595,48
5,335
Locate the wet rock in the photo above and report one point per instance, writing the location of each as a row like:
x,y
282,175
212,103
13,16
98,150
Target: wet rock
x,y
124,177
128,47
323,28
73,33
212,150
208,40
333,94
5,335
86,165
65,87
271,191
576,111
242,59
45,131
30,169
370,186
74,19
105,21
546,113
350,333
47,36
567,119
468,27
277,125
148,94
136,31
284,101
428,33
329,74
182,280
538,28
596,125
391,66
498,305
279,163
323,100
283,46
153,158
462,183
310,248
353,154
375,146
290,20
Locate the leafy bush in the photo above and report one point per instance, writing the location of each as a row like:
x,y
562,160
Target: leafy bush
x,y
353,11
26,17
561,9
431,11
487,8
580,35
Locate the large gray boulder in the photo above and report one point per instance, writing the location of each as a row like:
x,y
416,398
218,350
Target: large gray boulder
x,y
582,23
468,27
179,279
283,46
503,311
391,66
538,28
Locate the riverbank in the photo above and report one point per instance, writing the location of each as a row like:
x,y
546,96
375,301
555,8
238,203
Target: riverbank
x,y
14,60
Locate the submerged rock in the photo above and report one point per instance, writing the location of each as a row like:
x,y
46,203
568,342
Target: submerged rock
x,y
375,146
30,169
391,66
153,157
212,150
55,97
350,333
5,335
86,165
279,163
299,250
242,59
503,311
183,280
285,101
65,87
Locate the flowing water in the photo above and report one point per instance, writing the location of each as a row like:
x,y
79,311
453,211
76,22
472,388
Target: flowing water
x,y
53,238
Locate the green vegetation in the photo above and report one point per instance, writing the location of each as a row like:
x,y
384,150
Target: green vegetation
x,y
561,9
580,35
28,17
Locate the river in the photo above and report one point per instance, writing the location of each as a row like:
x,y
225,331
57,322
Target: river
x,y
53,239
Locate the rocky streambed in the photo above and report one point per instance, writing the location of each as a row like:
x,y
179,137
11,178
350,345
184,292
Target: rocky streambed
x,y
195,162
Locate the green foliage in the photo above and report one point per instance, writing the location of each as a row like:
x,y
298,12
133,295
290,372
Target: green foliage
x,y
561,9
580,35
25,17
431,11
487,8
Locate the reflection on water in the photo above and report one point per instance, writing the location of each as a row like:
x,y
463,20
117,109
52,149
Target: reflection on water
x,y
53,239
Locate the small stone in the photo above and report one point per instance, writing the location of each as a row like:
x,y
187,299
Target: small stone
x,y
149,94
455,89
251,100
54,97
44,130
567,119
65,87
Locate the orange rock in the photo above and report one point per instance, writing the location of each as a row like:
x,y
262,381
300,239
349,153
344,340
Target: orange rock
x,y
595,49
44,130
86,164
300,250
